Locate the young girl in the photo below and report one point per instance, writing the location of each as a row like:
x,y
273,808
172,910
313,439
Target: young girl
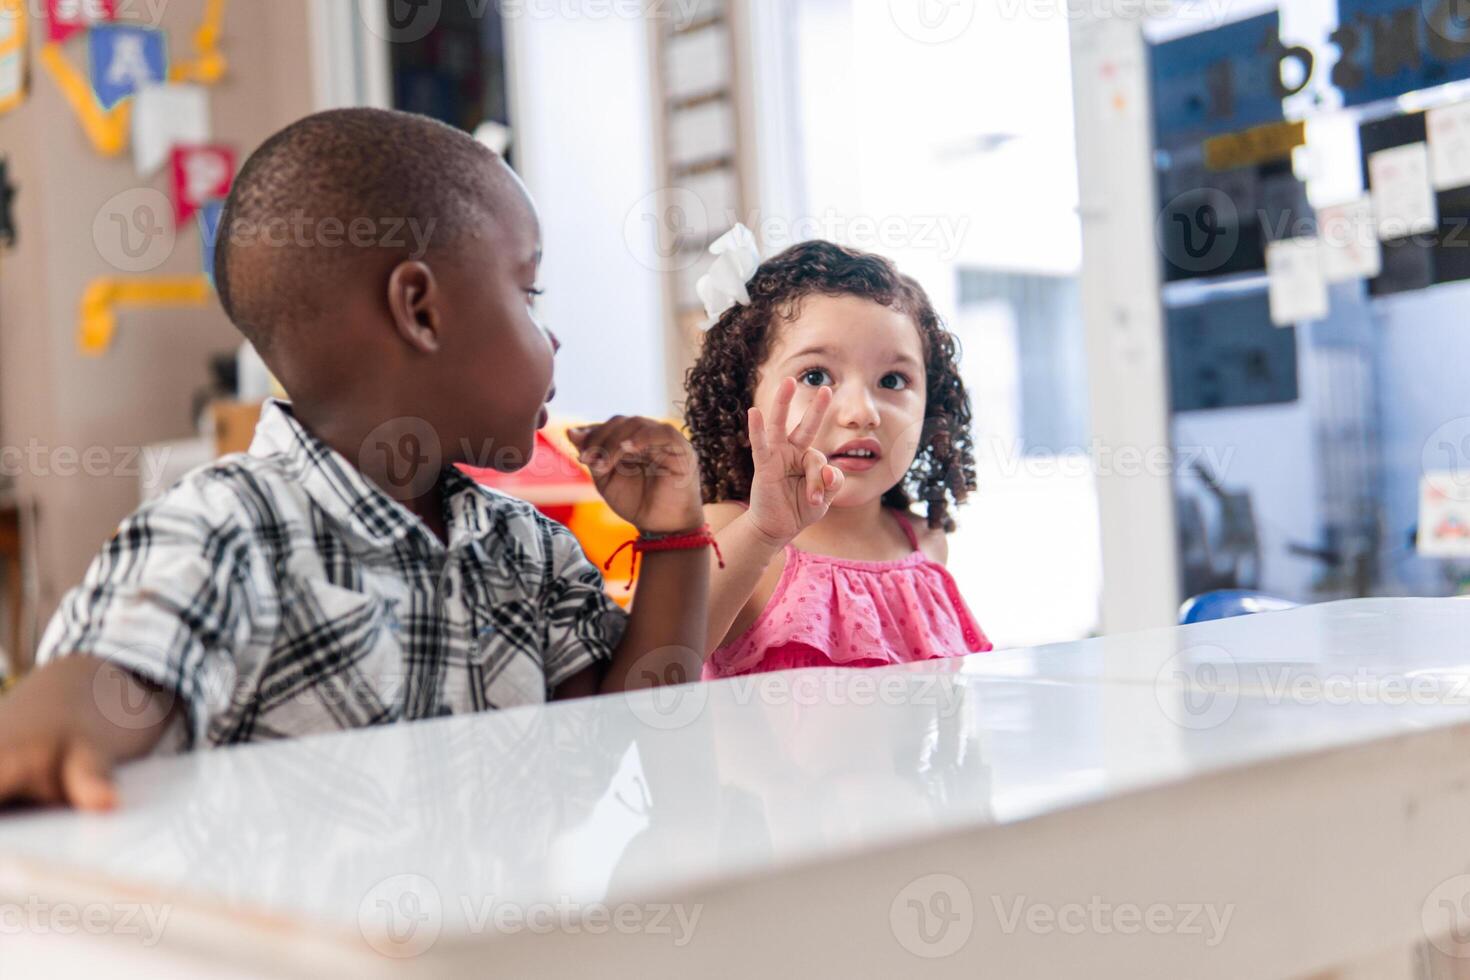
x,y
825,562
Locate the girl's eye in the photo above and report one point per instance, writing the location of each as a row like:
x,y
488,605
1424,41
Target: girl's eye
x,y
531,295
816,377
893,381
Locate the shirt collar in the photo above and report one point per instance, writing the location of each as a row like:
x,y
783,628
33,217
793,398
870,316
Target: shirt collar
x,y
354,501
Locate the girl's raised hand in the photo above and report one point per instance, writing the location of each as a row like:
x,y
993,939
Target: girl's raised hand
x,y
793,484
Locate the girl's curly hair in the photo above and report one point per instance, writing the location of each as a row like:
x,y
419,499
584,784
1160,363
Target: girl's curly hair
x,y
720,388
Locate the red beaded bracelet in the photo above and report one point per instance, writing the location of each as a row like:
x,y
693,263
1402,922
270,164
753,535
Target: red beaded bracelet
x,y
672,542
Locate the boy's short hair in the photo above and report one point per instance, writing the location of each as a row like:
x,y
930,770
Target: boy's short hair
x,y
337,188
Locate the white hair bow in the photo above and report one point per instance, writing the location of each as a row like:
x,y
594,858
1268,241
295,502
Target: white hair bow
x,y
736,259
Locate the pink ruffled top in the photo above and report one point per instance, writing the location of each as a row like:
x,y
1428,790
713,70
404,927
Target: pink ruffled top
x,y
828,612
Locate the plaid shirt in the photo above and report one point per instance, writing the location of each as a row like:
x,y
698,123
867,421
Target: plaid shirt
x,y
280,593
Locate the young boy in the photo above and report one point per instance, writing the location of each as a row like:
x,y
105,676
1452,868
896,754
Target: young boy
x,y
343,573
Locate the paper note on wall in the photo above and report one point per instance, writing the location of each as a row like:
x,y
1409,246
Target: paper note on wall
x,y
1448,128
165,115
1444,516
1350,248
1296,287
1403,200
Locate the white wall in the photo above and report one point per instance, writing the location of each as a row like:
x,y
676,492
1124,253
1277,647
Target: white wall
x,y
581,107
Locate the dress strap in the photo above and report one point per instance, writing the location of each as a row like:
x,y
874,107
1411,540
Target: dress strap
x,y
908,529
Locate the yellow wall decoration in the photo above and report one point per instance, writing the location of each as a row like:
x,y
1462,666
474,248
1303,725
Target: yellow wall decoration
x,y
15,11
208,64
100,302
108,129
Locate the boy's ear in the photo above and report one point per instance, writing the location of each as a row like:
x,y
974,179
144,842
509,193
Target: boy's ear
x,y
413,302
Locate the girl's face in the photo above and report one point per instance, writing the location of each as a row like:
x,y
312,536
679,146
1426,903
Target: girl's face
x,y
872,359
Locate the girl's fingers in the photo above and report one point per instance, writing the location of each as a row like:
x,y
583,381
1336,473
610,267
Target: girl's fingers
x,y
781,411
812,464
811,422
832,479
757,424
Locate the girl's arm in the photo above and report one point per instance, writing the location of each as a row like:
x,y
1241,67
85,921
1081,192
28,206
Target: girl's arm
x,y
748,552
791,489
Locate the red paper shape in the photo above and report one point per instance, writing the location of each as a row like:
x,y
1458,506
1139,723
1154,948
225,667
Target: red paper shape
x,y
66,17
200,174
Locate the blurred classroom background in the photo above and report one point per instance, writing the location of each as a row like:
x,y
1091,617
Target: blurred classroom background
x,y
1304,417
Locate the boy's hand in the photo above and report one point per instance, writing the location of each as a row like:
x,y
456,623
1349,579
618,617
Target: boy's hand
x,y
793,484
645,470
59,743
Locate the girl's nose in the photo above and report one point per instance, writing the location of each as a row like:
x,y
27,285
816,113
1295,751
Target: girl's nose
x,y
854,407
555,343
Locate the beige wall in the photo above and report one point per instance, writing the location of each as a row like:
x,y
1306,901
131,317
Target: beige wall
x,y
139,392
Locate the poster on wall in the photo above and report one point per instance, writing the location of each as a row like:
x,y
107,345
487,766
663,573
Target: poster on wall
x,y
12,54
1424,232
1392,47
164,116
209,217
200,174
1227,354
123,59
66,17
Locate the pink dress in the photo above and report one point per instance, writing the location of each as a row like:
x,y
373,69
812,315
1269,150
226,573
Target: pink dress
x,y
835,612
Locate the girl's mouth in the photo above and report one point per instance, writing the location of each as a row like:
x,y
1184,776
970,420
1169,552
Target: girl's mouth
x,y
857,456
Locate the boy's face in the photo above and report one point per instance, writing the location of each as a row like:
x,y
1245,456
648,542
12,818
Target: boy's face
x,y
872,359
492,376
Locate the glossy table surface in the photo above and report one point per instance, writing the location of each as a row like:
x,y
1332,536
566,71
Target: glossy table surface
x,y
637,797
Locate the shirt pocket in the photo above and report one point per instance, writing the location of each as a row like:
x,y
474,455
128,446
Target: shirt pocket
x,y
337,662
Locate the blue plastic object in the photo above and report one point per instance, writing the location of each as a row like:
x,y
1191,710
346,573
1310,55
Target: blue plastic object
x,y
1226,603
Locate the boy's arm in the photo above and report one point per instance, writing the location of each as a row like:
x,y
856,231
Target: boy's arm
x,y
648,474
65,727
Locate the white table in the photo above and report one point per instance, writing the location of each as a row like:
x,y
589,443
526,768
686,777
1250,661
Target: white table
x,y
1273,796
